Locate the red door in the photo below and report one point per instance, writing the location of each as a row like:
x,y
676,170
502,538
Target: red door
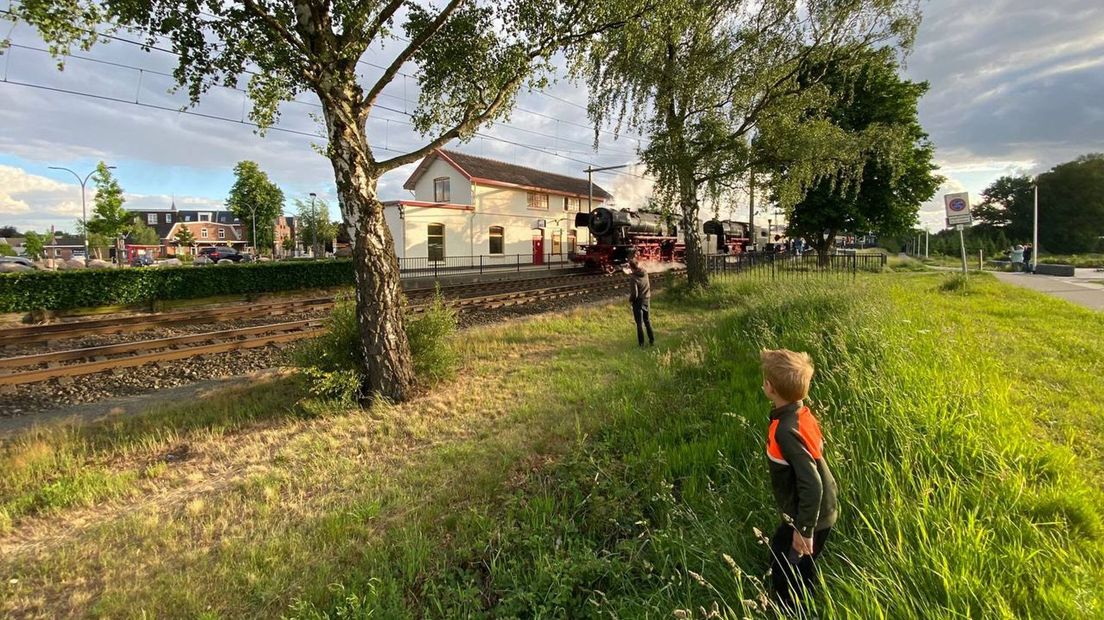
x,y
538,249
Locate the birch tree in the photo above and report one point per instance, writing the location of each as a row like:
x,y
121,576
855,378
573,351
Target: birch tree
x,y
698,77
469,58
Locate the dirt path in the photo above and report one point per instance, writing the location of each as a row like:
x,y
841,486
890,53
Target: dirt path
x,y
124,406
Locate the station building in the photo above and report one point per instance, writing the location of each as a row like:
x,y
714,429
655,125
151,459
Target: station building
x,y
468,206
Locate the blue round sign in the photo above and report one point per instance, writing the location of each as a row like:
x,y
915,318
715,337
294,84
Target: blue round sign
x,y
957,205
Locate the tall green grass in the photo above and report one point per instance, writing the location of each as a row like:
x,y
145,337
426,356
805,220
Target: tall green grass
x,y
953,504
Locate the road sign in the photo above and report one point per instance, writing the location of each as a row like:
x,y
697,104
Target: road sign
x,y
958,208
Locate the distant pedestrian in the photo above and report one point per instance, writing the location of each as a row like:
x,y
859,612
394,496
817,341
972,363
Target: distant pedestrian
x,y
1028,251
1017,256
804,489
640,296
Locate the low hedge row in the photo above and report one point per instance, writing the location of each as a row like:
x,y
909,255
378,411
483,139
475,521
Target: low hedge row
x,y
62,290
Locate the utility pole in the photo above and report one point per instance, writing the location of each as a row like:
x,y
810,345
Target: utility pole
x,y
84,206
314,228
925,243
1035,231
751,213
590,189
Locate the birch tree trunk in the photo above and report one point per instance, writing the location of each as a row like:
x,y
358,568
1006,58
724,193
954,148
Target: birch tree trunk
x,y
388,367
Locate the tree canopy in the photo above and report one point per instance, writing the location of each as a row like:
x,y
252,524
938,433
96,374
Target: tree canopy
x,y
313,224
34,244
1007,204
184,237
896,174
257,202
141,234
468,60
109,218
1071,206
700,77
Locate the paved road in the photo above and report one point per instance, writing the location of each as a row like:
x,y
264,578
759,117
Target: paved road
x,y
1085,288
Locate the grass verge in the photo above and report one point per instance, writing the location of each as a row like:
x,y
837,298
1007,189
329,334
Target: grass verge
x,y
566,473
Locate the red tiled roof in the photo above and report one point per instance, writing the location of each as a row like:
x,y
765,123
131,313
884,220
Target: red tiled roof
x,y
494,172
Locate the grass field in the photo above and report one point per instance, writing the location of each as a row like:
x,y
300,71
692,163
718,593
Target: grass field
x,y
567,473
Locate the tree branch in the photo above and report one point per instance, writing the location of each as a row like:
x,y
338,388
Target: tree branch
x,y
279,29
411,48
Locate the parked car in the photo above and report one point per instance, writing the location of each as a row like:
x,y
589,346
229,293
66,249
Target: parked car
x,y
19,260
218,253
141,260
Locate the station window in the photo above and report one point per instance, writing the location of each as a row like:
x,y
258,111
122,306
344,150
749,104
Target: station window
x,y
441,189
203,233
222,233
571,240
556,242
168,218
205,217
538,201
435,242
151,218
571,204
497,241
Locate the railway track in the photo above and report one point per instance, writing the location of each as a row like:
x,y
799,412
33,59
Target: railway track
x,y
36,368
18,336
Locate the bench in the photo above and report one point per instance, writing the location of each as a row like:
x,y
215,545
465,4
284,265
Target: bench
x,y
1054,270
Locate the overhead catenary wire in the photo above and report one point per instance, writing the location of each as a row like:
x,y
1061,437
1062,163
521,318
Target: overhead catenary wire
x,y
151,47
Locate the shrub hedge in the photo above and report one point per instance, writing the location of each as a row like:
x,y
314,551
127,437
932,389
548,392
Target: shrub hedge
x,y
62,290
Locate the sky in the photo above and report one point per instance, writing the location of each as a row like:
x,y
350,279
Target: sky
x,y
1015,87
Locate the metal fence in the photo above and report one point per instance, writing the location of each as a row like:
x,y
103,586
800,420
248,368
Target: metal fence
x,y
789,266
421,267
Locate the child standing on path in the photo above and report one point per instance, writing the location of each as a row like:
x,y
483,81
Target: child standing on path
x,y
803,486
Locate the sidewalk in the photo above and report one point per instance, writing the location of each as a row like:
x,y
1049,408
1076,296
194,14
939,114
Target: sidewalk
x,y
1085,288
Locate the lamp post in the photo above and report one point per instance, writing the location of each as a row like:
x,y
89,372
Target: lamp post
x,y
253,218
1035,232
314,228
84,207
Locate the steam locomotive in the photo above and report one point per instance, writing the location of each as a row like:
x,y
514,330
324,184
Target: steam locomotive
x,y
731,237
619,236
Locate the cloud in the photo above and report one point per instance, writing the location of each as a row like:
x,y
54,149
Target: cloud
x,y
36,202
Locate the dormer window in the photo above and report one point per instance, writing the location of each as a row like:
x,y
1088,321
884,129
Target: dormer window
x,y
441,189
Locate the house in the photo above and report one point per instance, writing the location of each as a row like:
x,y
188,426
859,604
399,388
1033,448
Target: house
x,y
209,227
465,205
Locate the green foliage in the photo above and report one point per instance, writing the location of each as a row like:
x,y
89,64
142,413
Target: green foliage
x,y
140,234
255,200
959,497
24,292
431,335
6,250
1071,206
331,363
34,245
698,78
1008,205
313,224
109,218
895,174
184,237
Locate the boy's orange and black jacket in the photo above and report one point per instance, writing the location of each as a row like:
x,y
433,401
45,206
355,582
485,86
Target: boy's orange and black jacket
x,y
803,485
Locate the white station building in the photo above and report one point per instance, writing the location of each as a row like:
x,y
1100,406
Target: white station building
x,y
465,205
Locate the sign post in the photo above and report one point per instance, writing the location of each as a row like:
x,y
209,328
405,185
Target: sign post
x,y
959,216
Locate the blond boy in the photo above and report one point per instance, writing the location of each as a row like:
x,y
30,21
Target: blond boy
x,y
803,486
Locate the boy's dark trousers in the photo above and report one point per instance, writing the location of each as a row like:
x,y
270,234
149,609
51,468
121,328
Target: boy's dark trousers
x,y
789,578
640,313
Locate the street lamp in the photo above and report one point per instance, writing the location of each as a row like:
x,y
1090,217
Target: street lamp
x,y
84,206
